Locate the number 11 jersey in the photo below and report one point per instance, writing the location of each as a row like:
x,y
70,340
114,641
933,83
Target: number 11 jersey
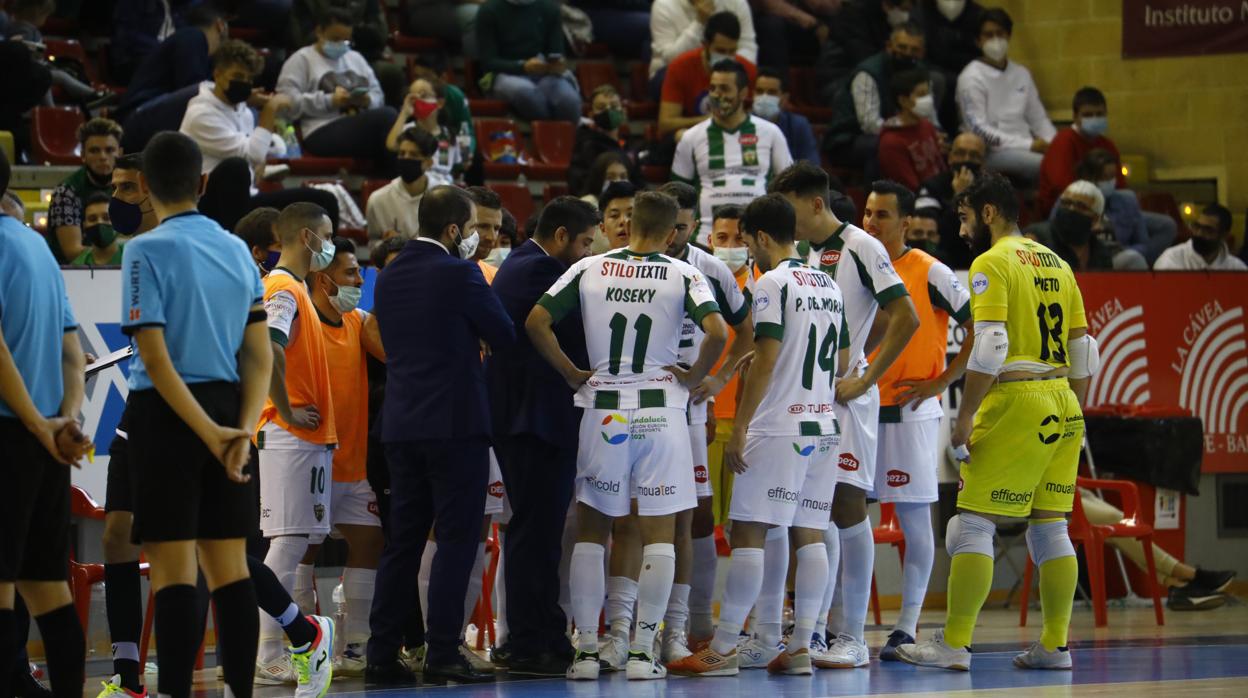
x,y
632,306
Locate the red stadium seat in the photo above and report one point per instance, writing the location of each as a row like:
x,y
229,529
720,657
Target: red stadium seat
x,y
82,576
593,75
517,199
552,191
368,188
404,43
656,174
552,143
54,135
481,106
72,50
640,106
310,165
472,75
492,140
887,533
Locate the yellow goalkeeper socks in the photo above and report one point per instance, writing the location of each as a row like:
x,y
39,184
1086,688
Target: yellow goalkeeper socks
x,y
970,579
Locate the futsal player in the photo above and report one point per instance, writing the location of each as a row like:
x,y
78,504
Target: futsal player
x,y
1019,427
633,431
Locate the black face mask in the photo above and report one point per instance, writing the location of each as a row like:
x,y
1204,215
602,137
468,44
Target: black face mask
x,y
1205,247
410,170
238,91
1072,227
126,217
972,166
902,63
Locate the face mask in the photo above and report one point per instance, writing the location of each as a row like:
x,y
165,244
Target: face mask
x,y
238,91
902,63
897,16
1072,227
714,57
422,108
270,262
333,50
767,106
972,166
100,235
323,258
126,217
925,107
1094,125
497,255
734,257
410,169
609,119
348,298
467,246
951,9
1205,247
928,246
995,48
1107,187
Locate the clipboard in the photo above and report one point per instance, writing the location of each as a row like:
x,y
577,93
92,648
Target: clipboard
x,y
109,360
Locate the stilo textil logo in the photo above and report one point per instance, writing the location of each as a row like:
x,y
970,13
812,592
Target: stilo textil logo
x,y
615,439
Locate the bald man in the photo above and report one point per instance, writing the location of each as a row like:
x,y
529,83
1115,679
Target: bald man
x,y
966,160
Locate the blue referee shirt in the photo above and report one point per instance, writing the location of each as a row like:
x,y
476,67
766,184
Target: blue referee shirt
x,y
34,314
197,281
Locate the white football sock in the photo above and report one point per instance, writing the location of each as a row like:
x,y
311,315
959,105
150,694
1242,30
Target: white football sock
x,y
283,558
358,584
654,590
472,594
916,523
677,616
810,581
858,555
769,609
745,580
831,541
702,587
422,578
587,582
621,598
304,592
500,597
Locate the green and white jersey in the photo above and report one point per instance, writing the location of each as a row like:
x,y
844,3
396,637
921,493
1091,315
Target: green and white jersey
x,y
865,274
734,305
729,167
632,306
803,309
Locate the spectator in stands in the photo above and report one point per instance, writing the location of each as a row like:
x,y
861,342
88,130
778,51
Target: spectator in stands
x,y
853,138
100,141
369,38
680,26
424,107
521,46
685,99
597,134
748,151
259,230
909,144
924,232
866,25
771,102
11,205
392,209
608,168
26,16
966,161
623,25
336,95
951,28
1076,229
486,223
1071,145
1145,232
793,27
182,59
454,116
1207,249
616,207
26,83
130,211
1000,102
139,26
103,247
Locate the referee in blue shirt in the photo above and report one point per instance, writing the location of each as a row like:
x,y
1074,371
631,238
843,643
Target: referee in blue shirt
x,y
191,304
41,389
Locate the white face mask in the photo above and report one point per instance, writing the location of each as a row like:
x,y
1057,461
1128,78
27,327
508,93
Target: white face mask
x,y
897,16
925,107
767,106
734,257
467,246
951,9
497,255
996,48
348,298
323,258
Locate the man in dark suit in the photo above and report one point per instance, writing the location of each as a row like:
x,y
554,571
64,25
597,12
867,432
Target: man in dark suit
x,y
536,427
434,309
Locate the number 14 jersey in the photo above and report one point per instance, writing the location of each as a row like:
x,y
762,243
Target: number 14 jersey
x,y
632,306
803,309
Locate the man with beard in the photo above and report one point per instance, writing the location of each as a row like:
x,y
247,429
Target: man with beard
x,y
100,142
1023,381
731,156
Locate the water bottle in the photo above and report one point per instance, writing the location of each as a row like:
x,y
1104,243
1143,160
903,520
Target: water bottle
x,y
292,142
464,141
340,619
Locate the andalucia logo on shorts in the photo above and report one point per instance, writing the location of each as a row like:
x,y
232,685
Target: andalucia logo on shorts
x,y
617,439
803,452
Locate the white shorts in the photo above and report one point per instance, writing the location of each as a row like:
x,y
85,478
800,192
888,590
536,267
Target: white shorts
x,y
906,461
701,471
296,481
643,453
859,422
354,504
495,494
790,481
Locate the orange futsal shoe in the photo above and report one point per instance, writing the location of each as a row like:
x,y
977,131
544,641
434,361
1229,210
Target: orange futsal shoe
x,y
706,662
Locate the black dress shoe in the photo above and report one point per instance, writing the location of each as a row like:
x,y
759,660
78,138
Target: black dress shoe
x,y
25,685
503,655
392,674
544,664
457,670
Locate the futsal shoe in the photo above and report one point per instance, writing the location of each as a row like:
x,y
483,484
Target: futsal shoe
x,y
314,667
756,654
613,649
274,672
1037,657
697,644
935,653
888,653
675,646
112,689
706,662
475,660
796,664
644,667
585,666
818,649
352,662
846,652
413,659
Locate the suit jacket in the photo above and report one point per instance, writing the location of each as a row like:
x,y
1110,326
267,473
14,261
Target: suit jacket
x,y
434,309
527,395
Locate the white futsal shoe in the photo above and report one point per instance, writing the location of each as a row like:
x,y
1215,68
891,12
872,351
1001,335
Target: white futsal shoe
x,y
936,653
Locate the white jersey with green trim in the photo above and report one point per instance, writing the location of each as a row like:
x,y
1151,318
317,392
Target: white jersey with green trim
x,y
804,310
632,306
732,302
729,167
865,274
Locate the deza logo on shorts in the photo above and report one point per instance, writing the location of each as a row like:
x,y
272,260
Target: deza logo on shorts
x,y
700,475
615,439
804,451
847,462
898,478
496,489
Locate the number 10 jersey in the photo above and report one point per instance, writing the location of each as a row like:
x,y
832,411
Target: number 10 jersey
x,y
632,306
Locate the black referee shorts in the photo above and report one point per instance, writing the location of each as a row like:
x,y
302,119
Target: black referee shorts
x,y
119,495
182,491
34,518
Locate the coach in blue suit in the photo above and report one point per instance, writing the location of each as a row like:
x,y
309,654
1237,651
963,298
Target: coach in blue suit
x,y
434,310
536,427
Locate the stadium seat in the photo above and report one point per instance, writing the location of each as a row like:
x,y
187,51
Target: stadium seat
x,y
593,75
405,43
83,576
1092,538
368,188
161,114
72,50
492,140
553,191
887,533
54,135
639,105
517,199
656,174
552,145
311,165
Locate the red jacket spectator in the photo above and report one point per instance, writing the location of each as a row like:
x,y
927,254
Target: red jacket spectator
x,y
910,154
688,81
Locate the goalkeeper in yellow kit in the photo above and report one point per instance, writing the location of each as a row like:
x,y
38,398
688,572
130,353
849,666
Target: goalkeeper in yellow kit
x,y
1019,427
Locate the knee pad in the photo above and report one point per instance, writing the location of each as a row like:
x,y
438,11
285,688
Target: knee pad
x,y
970,533
1049,541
